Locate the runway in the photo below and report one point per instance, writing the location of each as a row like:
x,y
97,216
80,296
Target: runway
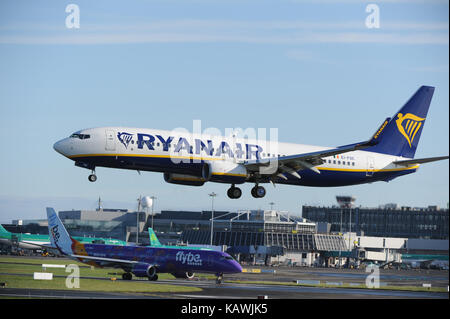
x,y
273,282
211,290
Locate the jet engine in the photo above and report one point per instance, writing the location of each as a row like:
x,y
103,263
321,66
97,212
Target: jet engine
x,y
196,176
216,171
182,179
145,270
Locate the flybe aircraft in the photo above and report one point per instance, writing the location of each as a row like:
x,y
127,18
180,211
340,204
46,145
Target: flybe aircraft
x,y
194,159
141,261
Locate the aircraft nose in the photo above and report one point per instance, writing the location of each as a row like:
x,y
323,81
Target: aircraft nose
x,y
59,147
236,267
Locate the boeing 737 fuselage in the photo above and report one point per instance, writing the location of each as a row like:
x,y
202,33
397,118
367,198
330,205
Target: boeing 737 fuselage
x,y
194,159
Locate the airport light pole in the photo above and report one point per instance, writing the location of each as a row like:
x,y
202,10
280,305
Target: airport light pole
x,y
137,219
346,202
153,205
340,234
212,195
349,228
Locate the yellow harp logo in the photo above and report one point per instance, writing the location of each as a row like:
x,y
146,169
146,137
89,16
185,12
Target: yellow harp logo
x,y
409,124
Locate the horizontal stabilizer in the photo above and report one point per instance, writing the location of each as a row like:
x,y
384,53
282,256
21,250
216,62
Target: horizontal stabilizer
x,y
420,160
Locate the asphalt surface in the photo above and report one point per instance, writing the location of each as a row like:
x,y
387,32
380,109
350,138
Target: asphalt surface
x,y
229,291
248,290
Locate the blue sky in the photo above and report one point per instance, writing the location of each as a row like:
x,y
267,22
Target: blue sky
x,y
309,68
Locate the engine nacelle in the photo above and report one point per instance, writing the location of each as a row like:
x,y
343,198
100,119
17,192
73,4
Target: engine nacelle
x,y
182,179
144,270
184,275
198,177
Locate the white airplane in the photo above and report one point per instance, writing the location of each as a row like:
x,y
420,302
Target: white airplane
x,y
194,159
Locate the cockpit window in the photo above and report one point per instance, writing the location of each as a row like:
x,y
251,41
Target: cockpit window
x,y
226,258
80,136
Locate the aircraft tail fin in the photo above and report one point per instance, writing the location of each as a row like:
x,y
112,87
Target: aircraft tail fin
x,y
401,133
59,237
3,230
154,241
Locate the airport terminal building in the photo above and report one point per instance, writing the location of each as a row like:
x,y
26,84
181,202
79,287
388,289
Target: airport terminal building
x,y
385,221
269,236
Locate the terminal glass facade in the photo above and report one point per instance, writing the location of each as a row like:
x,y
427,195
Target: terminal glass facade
x,y
405,222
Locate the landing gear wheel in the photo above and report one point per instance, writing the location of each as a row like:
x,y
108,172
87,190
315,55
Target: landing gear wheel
x,y
154,278
127,276
258,191
234,192
92,178
219,279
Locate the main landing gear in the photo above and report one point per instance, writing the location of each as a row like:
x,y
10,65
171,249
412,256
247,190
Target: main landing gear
x,y
257,192
127,276
234,192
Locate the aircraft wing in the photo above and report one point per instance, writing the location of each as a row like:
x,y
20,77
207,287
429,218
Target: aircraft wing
x,y
293,163
302,161
420,160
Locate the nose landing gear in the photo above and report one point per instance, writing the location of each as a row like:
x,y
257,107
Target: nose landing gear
x,y
92,178
219,279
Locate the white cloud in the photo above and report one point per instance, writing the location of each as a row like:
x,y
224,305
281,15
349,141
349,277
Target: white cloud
x,y
233,31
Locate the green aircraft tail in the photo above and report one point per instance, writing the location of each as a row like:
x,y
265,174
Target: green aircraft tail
x,y
3,230
153,239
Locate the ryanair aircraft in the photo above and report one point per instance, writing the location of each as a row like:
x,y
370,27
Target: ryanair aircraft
x,y
194,159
